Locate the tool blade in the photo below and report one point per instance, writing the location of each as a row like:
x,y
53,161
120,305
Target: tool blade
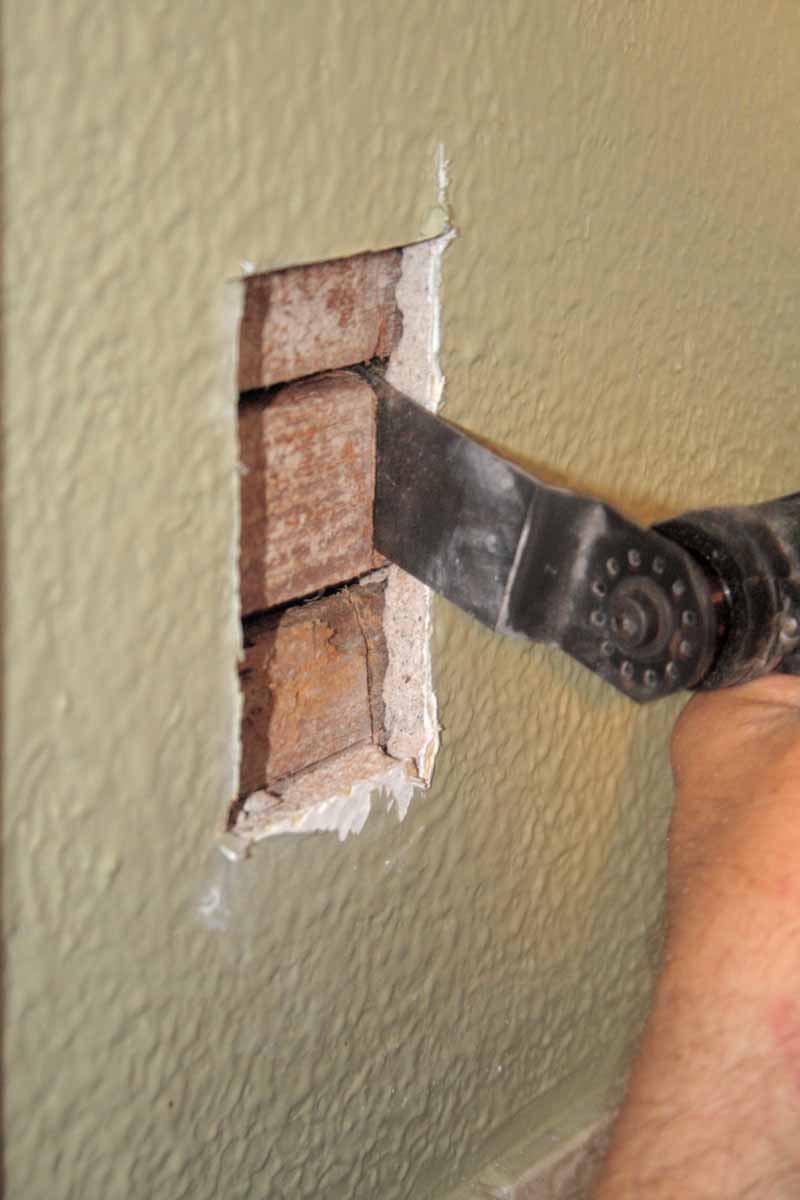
x,y
536,561
447,509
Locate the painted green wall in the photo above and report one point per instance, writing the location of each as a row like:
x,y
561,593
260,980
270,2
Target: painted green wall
x,y
622,305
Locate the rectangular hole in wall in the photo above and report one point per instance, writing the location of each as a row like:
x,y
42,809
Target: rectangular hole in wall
x,y
335,677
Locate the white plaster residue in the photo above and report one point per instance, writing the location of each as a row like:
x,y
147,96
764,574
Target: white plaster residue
x,y
435,284
335,796
212,908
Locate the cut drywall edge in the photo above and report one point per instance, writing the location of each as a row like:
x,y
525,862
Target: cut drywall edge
x,y
565,1173
335,796
438,248
412,724
232,307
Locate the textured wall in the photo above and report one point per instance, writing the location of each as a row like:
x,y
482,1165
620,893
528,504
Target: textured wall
x,y
622,305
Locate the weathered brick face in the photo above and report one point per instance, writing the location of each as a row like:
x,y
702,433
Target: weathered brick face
x,y
308,453
312,675
307,319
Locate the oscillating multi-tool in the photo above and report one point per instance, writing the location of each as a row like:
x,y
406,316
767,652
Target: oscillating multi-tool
x,y
708,599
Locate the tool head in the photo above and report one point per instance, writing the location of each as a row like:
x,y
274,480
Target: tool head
x,y
708,600
536,561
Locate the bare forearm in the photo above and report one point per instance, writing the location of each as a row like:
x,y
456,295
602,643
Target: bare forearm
x,y
713,1103
713,1108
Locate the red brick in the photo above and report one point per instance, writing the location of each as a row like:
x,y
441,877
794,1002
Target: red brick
x,y
312,678
308,453
318,317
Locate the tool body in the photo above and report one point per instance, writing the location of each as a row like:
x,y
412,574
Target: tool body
x,y
706,600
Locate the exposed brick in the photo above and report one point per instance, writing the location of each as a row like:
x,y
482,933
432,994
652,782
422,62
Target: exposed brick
x,y
318,317
367,602
308,452
311,679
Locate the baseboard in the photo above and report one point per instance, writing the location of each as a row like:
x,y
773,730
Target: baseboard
x,y
565,1173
